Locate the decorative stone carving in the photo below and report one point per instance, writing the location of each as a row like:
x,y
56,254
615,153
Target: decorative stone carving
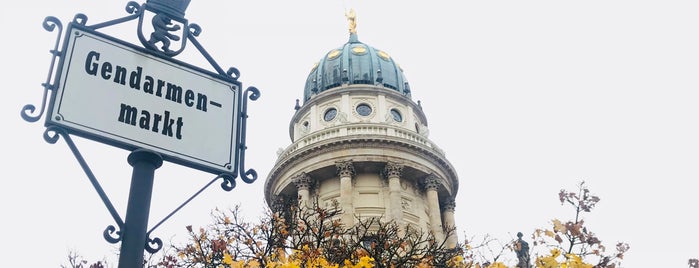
x,y
331,203
449,205
431,182
345,168
342,117
302,181
406,205
422,129
279,203
393,169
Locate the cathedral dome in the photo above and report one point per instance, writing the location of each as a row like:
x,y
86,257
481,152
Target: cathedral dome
x,y
355,63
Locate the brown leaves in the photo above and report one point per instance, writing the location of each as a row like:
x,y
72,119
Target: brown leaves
x,y
582,200
574,237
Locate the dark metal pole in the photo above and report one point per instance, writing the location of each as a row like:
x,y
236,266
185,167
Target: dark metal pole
x,y
133,242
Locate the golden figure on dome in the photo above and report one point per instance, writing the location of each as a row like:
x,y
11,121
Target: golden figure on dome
x,y
352,18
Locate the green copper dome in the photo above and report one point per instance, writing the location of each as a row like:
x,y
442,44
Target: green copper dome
x,y
355,63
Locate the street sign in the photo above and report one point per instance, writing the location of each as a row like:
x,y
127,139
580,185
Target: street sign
x,y
116,93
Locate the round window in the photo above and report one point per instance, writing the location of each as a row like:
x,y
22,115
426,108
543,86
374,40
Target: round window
x,y
396,115
330,114
363,109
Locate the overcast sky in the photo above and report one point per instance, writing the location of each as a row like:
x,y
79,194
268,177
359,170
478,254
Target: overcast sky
x,y
525,98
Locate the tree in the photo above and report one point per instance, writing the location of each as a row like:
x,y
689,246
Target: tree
x,y
571,241
77,261
293,235
308,237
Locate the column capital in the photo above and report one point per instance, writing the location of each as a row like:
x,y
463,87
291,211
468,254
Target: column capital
x,y
431,182
279,203
449,205
345,168
302,181
393,169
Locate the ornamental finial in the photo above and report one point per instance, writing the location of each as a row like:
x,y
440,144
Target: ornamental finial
x,y
352,18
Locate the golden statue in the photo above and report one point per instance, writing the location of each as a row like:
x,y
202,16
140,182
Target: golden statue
x,y
352,18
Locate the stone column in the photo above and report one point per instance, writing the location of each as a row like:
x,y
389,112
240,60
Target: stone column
x,y
431,186
345,169
449,222
303,186
393,171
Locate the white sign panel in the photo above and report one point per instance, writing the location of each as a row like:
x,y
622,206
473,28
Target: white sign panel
x,y
109,91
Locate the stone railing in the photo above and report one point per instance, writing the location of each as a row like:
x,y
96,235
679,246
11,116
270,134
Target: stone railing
x,y
355,130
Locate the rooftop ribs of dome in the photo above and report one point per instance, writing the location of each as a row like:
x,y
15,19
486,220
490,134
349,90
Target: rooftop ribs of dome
x,y
355,63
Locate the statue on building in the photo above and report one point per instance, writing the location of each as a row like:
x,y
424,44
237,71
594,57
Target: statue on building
x,y
352,18
522,250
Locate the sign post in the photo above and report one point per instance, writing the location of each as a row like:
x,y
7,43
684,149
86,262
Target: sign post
x,y
134,239
142,99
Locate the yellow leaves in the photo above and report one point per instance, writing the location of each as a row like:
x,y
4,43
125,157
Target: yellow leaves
x,y
456,261
555,253
549,233
558,226
237,264
227,259
253,264
546,262
574,261
569,261
497,265
365,262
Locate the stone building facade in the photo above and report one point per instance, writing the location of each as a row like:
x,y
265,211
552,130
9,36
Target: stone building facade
x,y
360,141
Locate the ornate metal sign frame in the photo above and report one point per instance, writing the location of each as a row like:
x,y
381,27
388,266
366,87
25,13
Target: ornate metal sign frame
x,y
170,34
160,45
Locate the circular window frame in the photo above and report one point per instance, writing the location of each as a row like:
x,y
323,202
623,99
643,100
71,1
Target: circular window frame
x,y
329,110
396,115
361,112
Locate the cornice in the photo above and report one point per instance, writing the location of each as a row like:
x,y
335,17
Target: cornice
x,y
363,141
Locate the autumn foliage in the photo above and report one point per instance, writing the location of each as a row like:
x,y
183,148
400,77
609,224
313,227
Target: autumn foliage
x,y
291,235
571,241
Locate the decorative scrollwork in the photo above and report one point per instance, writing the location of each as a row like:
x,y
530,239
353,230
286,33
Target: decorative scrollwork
x,y
50,23
133,7
233,72
228,183
29,108
51,134
194,29
255,93
111,234
80,19
156,241
250,175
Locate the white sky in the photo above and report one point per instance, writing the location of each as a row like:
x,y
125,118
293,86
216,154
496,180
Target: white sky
x,y
525,97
